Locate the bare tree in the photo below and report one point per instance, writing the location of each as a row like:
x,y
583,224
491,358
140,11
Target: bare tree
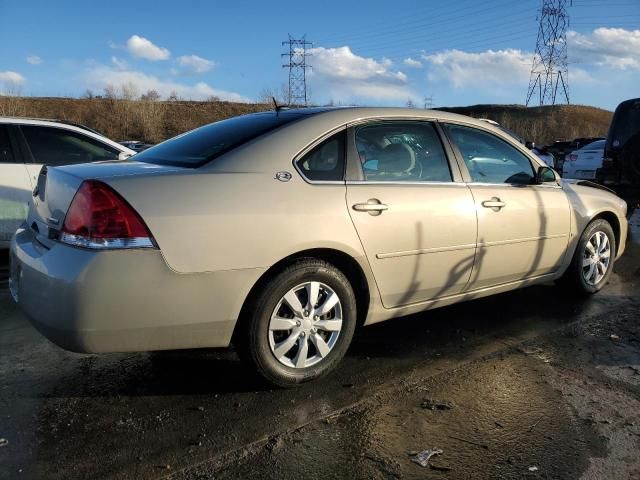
x,y
88,94
11,102
129,91
110,92
150,96
268,94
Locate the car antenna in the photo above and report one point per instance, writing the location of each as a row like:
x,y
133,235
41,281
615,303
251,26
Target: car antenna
x,y
275,104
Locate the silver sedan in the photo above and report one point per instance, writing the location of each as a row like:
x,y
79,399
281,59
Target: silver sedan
x,y
282,231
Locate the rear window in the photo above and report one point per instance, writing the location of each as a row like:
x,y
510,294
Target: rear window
x,y
597,145
199,146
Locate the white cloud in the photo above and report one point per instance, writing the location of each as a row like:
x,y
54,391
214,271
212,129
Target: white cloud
x,y
412,63
11,79
489,68
195,64
142,48
119,63
346,76
101,76
579,76
613,47
34,60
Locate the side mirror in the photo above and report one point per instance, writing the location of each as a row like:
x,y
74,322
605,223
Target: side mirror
x,y
545,175
530,145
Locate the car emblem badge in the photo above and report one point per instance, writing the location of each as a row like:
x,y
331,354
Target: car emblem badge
x,y
283,176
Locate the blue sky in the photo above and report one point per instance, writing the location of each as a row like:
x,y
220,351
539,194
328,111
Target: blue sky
x,y
375,52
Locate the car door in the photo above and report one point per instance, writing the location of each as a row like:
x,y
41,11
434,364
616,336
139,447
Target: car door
x,y
15,187
523,228
414,216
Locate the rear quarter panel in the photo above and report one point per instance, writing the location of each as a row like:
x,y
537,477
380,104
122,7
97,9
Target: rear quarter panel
x,y
210,221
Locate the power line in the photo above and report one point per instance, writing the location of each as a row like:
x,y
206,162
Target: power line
x,y
297,65
432,23
440,38
550,68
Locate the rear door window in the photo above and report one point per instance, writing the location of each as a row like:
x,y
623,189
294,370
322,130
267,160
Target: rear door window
x,y
57,146
6,151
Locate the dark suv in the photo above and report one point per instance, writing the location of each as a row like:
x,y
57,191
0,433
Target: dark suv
x,y
621,165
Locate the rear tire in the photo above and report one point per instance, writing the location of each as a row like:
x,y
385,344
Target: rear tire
x,y
300,325
593,259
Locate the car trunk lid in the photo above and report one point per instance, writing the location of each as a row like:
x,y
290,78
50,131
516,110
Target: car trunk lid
x,y
56,187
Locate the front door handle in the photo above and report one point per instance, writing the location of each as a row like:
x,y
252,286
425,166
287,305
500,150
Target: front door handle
x,y
495,203
373,207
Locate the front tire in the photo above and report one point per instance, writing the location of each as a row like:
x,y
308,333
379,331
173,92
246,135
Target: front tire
x,y
301,324
593,259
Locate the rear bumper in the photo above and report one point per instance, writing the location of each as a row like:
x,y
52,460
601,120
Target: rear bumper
x,y
123,300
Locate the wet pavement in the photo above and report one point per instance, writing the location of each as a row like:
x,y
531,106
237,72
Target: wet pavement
x,y
528,384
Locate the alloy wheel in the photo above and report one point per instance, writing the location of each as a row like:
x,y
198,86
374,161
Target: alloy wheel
x,y
596,258
305,325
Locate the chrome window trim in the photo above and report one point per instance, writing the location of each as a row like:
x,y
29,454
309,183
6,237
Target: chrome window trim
x,y
392,182
391,118
517,185
321,182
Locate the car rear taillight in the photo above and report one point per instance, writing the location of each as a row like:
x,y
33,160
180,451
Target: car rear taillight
x,y
98,217
572,157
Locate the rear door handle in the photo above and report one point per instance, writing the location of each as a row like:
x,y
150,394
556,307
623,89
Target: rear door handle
x,y
494,203
373,207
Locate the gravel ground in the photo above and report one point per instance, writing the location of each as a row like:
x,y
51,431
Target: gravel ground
x,y
529,384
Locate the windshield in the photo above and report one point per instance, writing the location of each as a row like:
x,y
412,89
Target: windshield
x,y
199,146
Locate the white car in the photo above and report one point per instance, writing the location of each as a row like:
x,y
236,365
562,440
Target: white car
x,y
545,156
584,162
28,144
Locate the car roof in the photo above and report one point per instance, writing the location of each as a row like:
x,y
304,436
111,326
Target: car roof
x,y
66,125
345,115
368,112
36,121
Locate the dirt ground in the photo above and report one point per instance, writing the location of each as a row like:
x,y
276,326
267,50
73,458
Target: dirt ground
x,y
529,384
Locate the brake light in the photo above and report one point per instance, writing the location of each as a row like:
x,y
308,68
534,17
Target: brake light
x,y
99,217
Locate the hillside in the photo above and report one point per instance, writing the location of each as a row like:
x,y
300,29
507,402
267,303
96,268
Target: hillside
x,y
120,119
154,121
546,124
